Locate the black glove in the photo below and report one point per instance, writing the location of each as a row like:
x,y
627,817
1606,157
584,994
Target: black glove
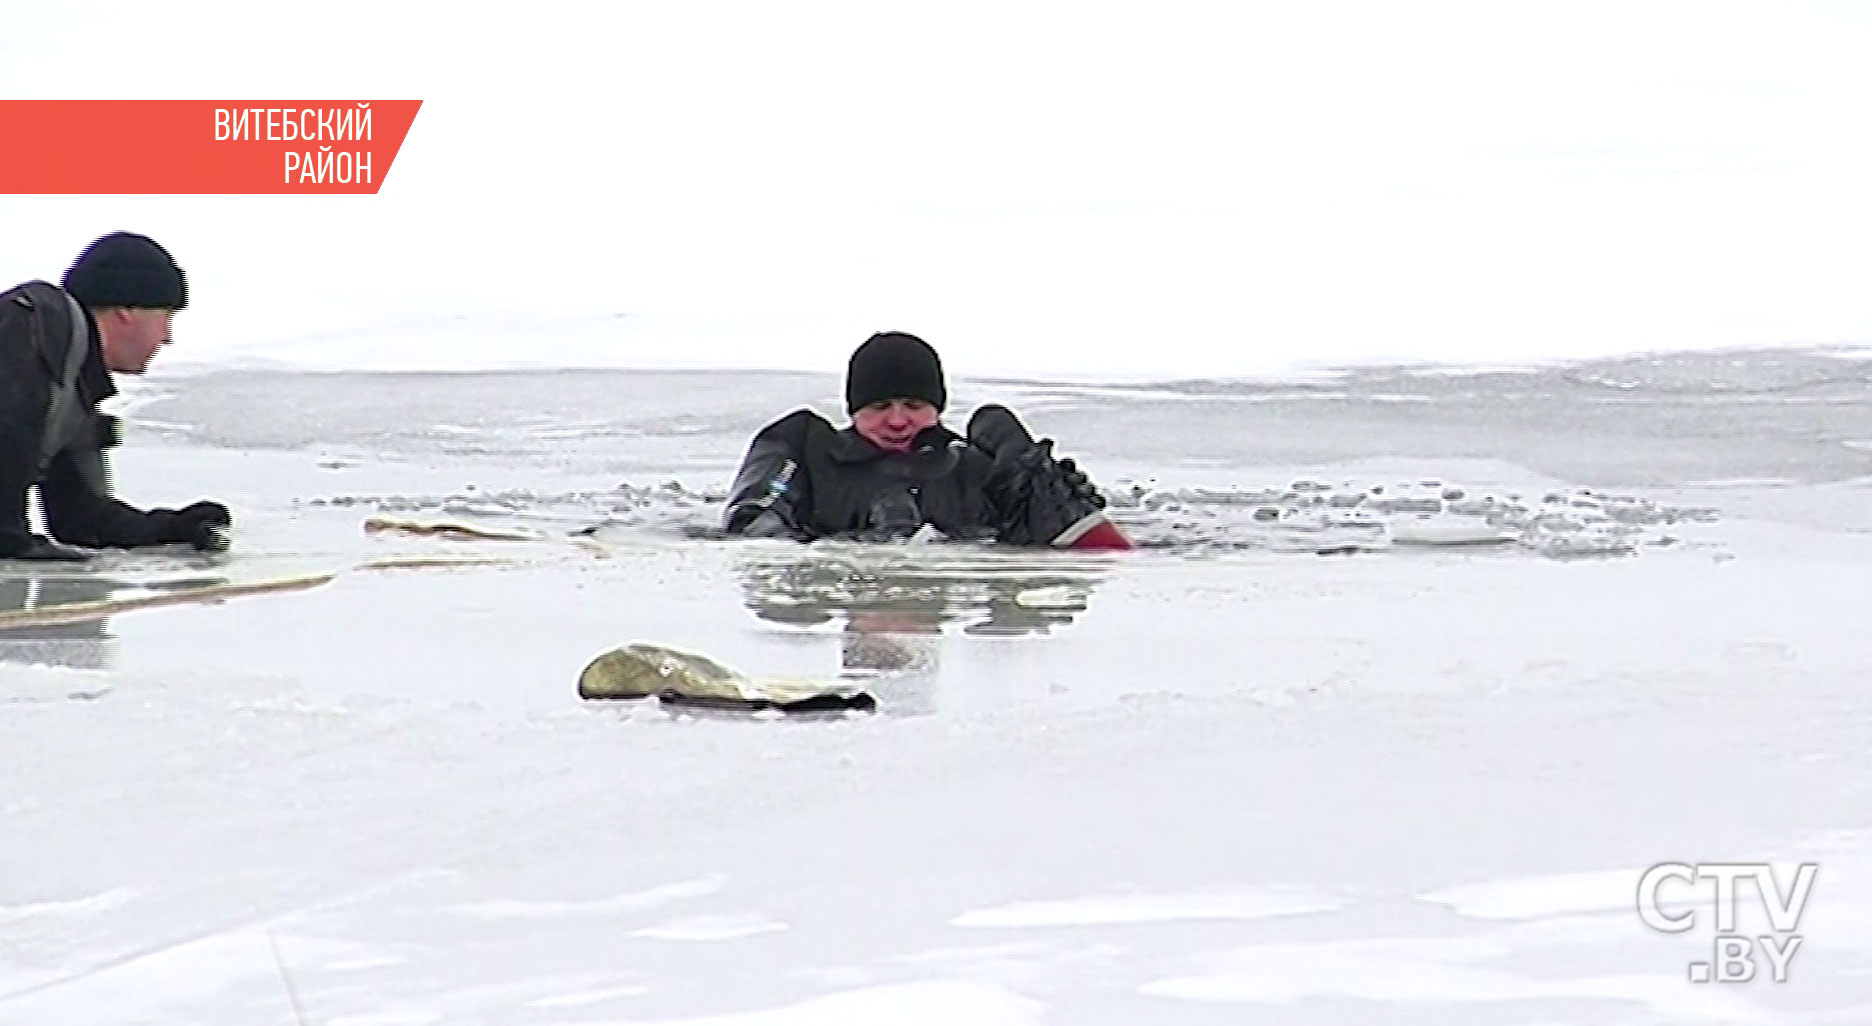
x,y
202,525
207,512
892,516
1038,498
1035,497
1081,485
772,520
43,548
997,431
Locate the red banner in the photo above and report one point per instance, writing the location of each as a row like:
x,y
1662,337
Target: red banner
x,y
145,147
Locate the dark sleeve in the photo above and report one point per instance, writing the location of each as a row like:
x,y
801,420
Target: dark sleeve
x,y
986,512
79,508
772,493
22,430
16,479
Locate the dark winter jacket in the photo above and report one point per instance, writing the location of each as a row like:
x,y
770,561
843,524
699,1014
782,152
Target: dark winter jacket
x,y
51,433
804,479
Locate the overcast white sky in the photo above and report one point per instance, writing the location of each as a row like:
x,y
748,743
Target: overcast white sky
x,y
1159,190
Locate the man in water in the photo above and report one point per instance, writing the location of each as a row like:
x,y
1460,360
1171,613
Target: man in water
x,y
896,467
58,348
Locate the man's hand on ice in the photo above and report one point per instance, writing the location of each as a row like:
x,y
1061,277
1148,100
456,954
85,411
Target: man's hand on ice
x,y
204,525
1081,485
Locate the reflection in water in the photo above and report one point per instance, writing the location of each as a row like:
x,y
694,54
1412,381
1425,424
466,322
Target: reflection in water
x,y
44,619
80,645
926,587
894,602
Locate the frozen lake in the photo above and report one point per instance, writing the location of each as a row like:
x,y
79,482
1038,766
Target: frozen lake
x,y
1222,779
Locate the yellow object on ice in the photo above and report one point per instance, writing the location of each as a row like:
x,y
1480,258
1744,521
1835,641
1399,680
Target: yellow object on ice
x,y
448,529
640,670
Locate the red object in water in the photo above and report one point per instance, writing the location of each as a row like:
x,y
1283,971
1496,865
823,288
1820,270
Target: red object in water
x,y
1093,532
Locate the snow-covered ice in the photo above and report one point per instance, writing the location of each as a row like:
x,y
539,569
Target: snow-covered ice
x,y
1227,778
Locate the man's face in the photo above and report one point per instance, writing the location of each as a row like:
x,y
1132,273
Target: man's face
x,y
132,336
891,424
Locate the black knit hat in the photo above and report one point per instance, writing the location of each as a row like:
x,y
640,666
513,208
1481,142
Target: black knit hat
x,y
893,365
123,269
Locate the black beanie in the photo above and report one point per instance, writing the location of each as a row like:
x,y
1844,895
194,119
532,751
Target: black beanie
x,y
893,365
123,269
